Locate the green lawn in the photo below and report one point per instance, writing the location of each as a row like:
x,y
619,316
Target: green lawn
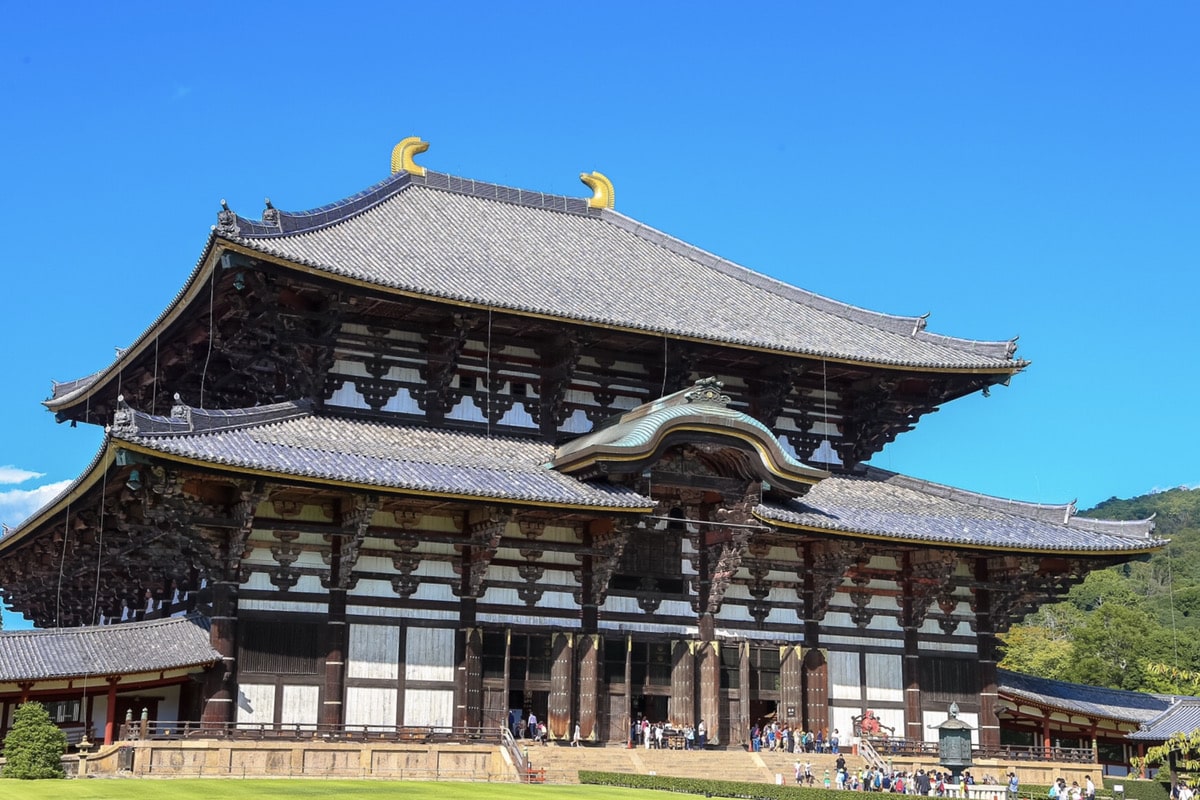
x,y
288,789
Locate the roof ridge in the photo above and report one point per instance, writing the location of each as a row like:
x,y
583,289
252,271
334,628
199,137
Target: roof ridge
x,y
100,629
276,222
1059,513
129,422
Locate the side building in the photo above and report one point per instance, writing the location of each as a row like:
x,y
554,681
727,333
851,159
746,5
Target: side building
x,y
446,451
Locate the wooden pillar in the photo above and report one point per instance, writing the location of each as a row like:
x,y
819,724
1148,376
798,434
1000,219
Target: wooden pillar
x,y
336,640
791,686
709,655
911,666
985,638
562,685
629,689
1046,735
816,690
469,679
744,686
110,716
681,707
221,684
591,655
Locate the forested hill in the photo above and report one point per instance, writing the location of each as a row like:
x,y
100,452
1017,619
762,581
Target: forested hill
x,y
1121,623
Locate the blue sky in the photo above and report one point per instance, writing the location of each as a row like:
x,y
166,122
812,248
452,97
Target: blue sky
x,y
1024,169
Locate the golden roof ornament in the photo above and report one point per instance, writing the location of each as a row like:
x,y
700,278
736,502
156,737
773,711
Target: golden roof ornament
x,y
403,154
602,190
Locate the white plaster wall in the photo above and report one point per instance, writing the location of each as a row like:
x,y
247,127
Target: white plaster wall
x,y
429,655
434,707
256,704
375,707
374,652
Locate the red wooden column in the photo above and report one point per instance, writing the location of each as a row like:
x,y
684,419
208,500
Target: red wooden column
x,y
816,690
1046,734
219,707
985,639
709,655
681,707
562,684
110,715
791,687
591,654
470,668
911,667
336,641
744,686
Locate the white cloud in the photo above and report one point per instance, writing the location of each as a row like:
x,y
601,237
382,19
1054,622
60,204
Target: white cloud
x,y
11,474
16,505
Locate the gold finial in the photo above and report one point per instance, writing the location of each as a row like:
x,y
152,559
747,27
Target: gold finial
x,y
403,153
602,190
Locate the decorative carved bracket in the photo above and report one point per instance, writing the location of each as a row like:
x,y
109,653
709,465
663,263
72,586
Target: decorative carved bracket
x,y
442,360
285,576
406,562
725,558
927,576
531,573
829,562
484,531
607,550
560,357
356,519
759,589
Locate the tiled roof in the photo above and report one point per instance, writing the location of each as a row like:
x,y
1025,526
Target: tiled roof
x,y
470,241
462,240
105,649
887,505
1094,701
1183,716
286,440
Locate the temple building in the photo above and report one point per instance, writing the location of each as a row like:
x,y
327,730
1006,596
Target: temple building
x,y
446,451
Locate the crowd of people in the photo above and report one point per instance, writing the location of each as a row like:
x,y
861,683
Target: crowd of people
x,y
667,735
1060,791
934,783
773,737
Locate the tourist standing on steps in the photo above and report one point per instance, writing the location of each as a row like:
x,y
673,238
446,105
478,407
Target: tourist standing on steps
x,y
577,737
701,735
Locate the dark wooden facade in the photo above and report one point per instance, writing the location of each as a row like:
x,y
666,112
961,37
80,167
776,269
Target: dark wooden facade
x,y
337,601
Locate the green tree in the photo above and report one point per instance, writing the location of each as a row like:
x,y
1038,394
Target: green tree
x,y
1036,650
1111,646
35,745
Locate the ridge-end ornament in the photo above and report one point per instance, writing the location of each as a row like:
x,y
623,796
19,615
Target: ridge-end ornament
x,y
404,153
603,194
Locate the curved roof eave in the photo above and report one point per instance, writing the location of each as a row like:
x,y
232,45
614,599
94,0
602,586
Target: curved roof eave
x,y
83,388
87,480
893,537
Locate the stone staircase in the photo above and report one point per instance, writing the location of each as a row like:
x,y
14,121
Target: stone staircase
x,y
562,763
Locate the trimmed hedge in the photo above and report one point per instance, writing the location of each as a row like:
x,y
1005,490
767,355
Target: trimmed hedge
x,y
1139,789
1135,789
738,789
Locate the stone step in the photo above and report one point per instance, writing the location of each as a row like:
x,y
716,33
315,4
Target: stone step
x,y
562,763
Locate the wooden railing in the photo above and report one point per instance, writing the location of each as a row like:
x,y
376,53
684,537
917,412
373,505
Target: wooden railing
x,y
909,748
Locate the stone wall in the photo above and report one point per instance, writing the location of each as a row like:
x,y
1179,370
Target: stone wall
x,y
313,759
